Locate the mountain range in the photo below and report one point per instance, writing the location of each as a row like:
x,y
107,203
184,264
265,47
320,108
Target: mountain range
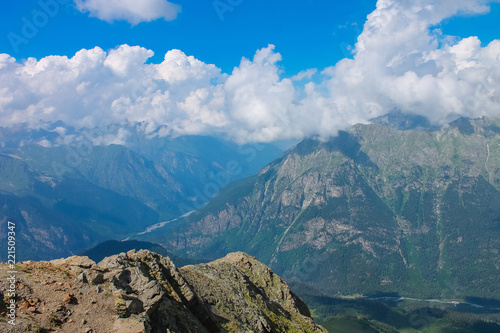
x,y
68,190
395,206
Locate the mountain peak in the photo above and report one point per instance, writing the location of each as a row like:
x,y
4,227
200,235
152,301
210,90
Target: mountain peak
x,y
404,121
484,125
142,291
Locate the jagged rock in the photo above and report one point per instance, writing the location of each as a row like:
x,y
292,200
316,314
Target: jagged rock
x,y
75,261
83,278
141,291
23,304
98,279
70,299
128,325
249,295
33,301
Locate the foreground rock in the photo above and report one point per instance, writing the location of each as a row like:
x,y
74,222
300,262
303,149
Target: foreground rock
x,y
144,292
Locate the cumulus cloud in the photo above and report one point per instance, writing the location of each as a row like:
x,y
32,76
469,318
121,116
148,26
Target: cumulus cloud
x,y
399,61
398,64
132,11
305,74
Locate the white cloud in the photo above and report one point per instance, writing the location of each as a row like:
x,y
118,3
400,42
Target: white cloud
x,y
125,60
132,11
306,74
397,64
258,99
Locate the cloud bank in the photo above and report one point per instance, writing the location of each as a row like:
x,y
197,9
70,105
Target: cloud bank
x,y
133,11
399,64
399,61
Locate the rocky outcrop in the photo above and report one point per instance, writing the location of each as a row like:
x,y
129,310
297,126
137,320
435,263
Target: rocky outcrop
x,y
141,291
248,296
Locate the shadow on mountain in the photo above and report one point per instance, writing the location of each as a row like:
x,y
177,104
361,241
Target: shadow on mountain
x,y
350,147
475,327
389,298
306,147
342,315
479,305
486,302
331,307
404,121
384,295
463,125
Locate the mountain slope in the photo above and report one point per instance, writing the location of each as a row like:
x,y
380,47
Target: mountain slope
x,y
112,247
55,217
375,209
66,197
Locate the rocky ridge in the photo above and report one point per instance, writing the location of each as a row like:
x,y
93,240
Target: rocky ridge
x,y
141,291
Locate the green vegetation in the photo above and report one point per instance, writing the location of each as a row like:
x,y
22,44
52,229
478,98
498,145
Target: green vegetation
x,y
70,197
346,324
374,210
361,315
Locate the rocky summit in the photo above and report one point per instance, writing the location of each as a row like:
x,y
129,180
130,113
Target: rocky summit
x,y
141,291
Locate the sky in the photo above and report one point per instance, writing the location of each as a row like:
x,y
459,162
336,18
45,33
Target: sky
x,y
251,70
207,30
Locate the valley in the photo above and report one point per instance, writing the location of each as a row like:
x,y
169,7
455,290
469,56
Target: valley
x,y
236,166
395,208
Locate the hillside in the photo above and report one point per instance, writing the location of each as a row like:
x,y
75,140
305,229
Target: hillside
x,y
374,210
68,196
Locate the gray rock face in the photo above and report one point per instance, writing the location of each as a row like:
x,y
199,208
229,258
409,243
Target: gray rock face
x,y
141,291
248,296
375,209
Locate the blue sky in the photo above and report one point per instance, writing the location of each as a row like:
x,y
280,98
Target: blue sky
x,y
436,58
308,34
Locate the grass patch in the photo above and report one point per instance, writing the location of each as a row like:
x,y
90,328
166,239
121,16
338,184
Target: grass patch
x,y
347,324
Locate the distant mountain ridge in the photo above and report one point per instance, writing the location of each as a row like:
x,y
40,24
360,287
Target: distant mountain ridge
x,y
66,197
375,209
113,247
404,121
